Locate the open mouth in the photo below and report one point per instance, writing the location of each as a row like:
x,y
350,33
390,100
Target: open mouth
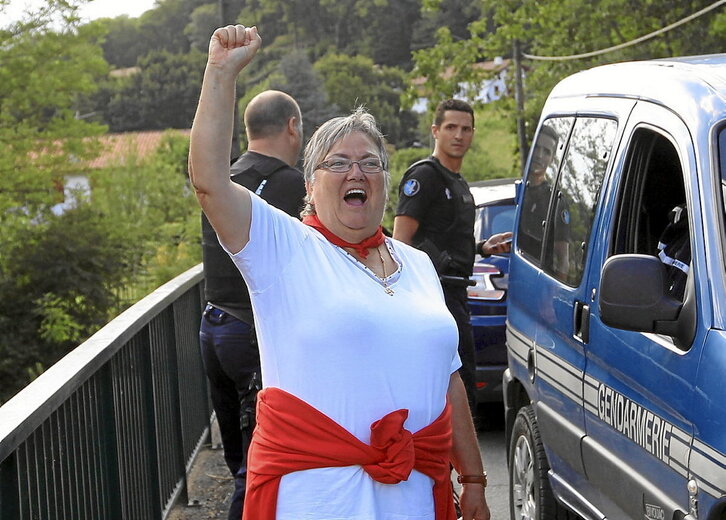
x,y
355,197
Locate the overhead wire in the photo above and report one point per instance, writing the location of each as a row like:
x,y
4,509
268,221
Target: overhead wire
x,y
630,43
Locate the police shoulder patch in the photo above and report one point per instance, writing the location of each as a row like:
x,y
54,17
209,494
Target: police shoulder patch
x,y
565,216
411,187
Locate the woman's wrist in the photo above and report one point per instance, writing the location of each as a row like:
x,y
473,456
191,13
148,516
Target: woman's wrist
x,y
477,478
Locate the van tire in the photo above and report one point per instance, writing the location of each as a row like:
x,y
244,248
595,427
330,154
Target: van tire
x,y
530,494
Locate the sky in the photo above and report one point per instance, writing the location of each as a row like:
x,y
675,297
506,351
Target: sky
x,y
90,11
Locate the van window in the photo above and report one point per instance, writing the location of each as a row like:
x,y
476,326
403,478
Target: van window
x,y
576,196
652,215
722,168
543,167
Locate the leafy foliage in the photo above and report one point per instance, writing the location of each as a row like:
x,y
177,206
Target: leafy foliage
x,y
57,285
154,209
561,28
297,78
66,275
41,74
122,44
351,81
162,94
202,23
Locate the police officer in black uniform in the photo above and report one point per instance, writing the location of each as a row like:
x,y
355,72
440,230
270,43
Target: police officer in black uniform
x,y
231,360
436,212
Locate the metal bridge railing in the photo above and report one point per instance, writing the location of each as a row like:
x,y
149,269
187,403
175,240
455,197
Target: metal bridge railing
x,y
110,431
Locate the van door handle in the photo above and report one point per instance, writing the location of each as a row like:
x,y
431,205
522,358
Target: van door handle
x,y
581,321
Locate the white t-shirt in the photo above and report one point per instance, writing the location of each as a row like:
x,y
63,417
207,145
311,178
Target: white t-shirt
x,y
330,334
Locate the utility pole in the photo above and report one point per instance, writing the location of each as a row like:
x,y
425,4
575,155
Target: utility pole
x,y
519,99
227,16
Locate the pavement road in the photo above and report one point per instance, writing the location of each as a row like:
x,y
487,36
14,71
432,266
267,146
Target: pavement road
x,y
493,450
210,485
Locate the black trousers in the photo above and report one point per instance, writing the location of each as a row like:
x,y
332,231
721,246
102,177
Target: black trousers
x,y
456,301
231,361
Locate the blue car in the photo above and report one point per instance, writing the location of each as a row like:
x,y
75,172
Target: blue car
x,y
495,208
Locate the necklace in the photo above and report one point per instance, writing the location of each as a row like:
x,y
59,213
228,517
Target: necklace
x,y
384,280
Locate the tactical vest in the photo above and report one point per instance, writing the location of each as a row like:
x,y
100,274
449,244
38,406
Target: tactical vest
x,y
223,282
451,248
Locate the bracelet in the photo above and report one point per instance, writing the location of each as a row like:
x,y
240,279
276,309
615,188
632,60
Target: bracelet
x,y
473,479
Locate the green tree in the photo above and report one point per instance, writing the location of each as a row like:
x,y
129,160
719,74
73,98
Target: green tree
x,y
454,15
162,94
380,29
57,289
60,274
351,81
50,265
123,44
296,77
203,21
67,275
153,208
560,28
162,28
390,31
42,74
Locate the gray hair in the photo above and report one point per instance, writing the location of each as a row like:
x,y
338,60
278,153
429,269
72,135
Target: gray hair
x,y
332,131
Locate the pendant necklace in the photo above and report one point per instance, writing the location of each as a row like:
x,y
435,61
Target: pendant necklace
x,y
384,280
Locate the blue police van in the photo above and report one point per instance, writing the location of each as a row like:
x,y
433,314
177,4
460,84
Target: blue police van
x,y
615,392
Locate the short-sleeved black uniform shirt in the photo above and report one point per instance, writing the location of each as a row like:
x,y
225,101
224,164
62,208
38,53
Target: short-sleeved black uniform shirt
x,y
441,202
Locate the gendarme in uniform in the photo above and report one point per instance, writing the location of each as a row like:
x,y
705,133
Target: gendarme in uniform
x,y
441,202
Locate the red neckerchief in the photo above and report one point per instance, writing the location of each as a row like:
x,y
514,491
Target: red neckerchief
x,y
292,436
375,240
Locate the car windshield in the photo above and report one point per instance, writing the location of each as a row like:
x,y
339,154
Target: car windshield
x,y
493,219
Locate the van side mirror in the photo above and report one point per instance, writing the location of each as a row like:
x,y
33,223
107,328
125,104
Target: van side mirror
x,y
634,295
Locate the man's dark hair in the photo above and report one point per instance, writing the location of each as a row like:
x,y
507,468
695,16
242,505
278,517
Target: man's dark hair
x,y
268,114
550,132
452,104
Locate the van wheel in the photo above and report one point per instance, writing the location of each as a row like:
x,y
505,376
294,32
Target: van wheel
x,y
530,495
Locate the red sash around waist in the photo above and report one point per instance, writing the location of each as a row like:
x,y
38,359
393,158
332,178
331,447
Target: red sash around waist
x,y
292,436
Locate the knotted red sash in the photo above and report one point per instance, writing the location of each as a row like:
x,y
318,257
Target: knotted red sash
x,y
292,436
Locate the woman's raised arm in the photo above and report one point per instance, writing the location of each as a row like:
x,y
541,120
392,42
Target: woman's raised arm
x,y
226,204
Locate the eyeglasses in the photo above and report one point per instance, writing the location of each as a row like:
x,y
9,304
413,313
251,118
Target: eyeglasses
x,y
341,165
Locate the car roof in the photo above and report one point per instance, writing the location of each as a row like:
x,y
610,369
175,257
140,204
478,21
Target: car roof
x,y
681,84
492,190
